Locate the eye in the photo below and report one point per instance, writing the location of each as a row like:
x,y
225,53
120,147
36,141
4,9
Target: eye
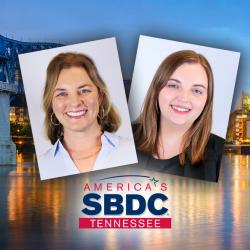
x,y
197,91
172,85
61,94
84,91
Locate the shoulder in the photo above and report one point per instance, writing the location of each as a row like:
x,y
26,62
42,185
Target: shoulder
x,y
213,157
143,157
119,148
216,144
45,163
118,141
47,155
135,126
137,129
52,164
216,138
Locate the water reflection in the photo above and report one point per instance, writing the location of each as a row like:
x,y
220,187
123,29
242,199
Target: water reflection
x,y
44,214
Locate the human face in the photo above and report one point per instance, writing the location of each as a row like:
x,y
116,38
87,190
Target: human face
x,y
183,98
76,100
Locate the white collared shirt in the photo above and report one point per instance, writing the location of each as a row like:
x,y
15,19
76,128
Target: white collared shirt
x,y
115,151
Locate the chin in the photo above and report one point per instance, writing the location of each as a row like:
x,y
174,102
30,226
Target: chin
x,y
179,122
75,127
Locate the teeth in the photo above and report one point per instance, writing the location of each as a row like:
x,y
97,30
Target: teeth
x,y
180,109
75,114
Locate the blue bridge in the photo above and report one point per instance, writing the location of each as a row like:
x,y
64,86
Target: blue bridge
x,y
11,89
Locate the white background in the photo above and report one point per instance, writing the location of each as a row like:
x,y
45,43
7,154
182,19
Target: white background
x,y
152,51
105,56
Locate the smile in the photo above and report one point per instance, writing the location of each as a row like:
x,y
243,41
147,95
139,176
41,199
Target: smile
x,y
76,114
180,109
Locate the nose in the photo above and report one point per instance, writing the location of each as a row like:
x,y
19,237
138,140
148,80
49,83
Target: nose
x,y
75,100
184,95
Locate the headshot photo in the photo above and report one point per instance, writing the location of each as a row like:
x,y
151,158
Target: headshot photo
x,y
179,118
78,109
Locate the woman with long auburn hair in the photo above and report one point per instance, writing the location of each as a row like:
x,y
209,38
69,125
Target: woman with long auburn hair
x,y
173,131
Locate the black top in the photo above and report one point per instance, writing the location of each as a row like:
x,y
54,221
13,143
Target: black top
x,y
208,169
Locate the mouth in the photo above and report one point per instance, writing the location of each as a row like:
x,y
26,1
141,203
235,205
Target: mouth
x,y
180,109
76,114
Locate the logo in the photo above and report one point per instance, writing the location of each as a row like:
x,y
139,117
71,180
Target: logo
x,y
125,201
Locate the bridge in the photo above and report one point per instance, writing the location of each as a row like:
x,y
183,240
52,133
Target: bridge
x,y
11,85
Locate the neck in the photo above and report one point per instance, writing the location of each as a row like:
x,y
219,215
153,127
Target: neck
x,y
172,131
170,139
83,140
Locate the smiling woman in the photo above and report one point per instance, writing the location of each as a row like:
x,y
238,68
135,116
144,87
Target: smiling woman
x,y
80,120
178,104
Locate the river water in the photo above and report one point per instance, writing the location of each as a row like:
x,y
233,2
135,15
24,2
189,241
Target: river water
x,y
38,214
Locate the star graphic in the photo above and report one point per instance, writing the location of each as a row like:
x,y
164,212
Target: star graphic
x,y
154,180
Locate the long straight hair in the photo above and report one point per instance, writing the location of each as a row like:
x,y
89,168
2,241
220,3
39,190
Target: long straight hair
x,y
146,127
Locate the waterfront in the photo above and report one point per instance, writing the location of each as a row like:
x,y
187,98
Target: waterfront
x,y
44,215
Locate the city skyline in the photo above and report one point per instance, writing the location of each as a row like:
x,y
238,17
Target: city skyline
x,y
221,25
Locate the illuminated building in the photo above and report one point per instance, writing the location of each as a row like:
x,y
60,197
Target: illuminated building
x,y
239,122
19,115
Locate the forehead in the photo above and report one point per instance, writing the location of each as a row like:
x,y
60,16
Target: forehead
x,y
193,73
73,76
